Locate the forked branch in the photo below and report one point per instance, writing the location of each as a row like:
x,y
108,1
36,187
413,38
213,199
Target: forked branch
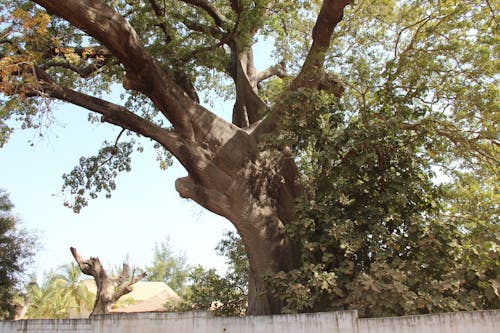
x,y
108,290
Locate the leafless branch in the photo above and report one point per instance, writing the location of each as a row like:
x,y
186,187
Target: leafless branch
x,y
219,19
276,70
111,113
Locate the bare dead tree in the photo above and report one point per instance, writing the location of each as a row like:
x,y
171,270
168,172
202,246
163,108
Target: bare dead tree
x,y
109,290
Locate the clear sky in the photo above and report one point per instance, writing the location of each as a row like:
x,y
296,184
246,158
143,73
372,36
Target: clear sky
x,y
143,210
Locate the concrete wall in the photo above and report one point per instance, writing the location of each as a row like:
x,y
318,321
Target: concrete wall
x,y
455,322
202,322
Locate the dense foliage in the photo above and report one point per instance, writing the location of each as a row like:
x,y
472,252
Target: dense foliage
x,y
377,233
222,295
17,248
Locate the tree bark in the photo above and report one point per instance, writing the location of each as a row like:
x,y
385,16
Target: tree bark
x,y
257,195
108,290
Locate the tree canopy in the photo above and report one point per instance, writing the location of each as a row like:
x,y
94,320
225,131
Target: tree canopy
x,y
332,166
379,235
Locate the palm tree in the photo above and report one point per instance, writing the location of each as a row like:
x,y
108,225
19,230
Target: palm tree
x,y
75,294
44,300
61,294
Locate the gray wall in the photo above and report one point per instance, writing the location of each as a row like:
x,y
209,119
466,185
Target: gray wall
x,y
202,322
455,322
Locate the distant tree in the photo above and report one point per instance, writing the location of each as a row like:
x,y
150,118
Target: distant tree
x,y
45,300
78,298
169,267
222,295
17,248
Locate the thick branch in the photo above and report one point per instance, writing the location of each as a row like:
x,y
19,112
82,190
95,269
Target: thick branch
x,y
198,27
276,70
111,113
104,24
124,284
214,201
311,74
248,106
85,265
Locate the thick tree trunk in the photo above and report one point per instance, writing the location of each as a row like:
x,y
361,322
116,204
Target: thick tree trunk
x,y
256,192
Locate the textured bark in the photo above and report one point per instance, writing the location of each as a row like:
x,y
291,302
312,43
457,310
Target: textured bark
x,y
108,290
248,106
227,172
257,197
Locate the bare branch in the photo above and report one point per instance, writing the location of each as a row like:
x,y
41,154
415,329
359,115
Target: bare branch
x,y
156,8
125,287
160,13
84,265
278,70
108,290
111,113
83,71
125,274
196,26
248,106
492,11
219,19
462,138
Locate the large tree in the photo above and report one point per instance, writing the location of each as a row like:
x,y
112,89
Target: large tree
x,y
423,69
